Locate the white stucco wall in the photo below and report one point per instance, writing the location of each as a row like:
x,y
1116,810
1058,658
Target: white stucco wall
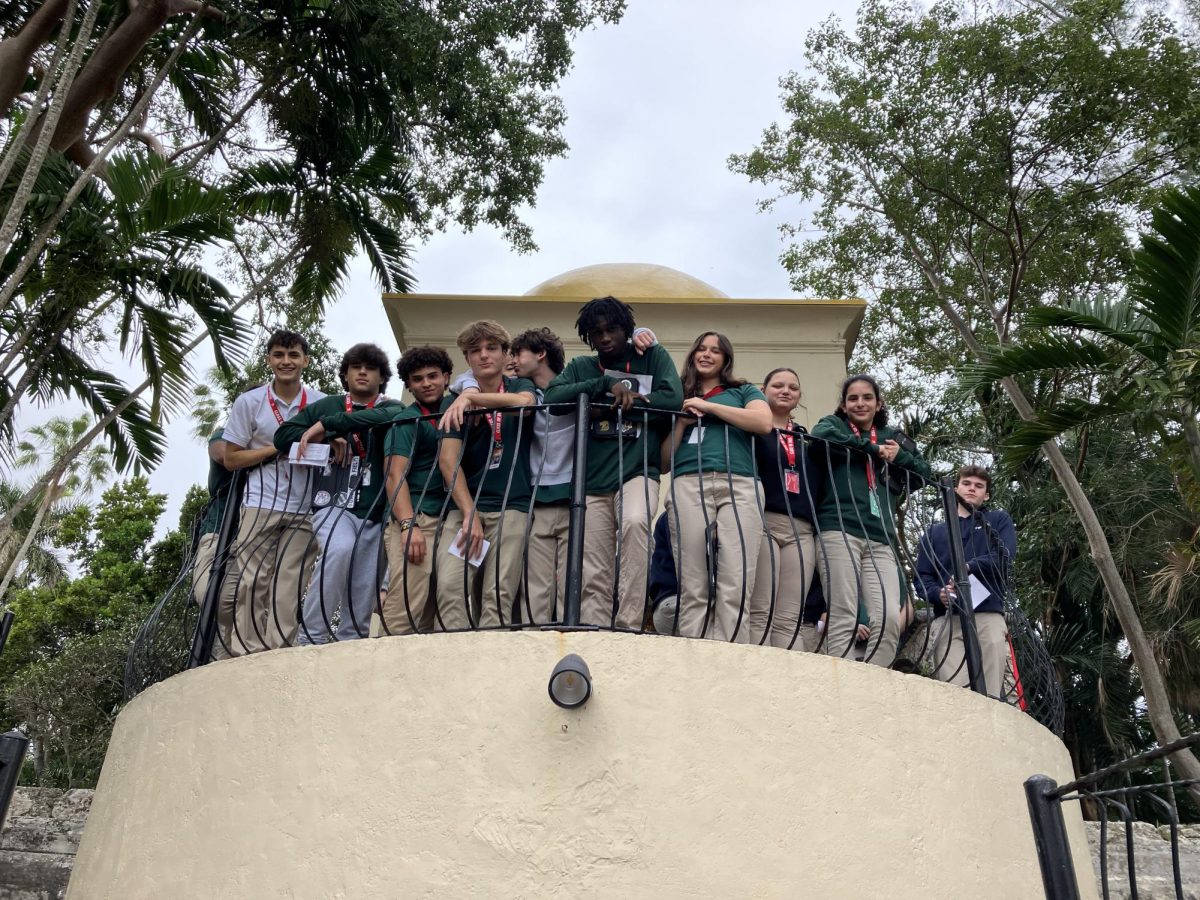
x,y
436,766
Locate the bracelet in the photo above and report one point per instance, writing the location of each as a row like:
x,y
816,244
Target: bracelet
x,y
406,524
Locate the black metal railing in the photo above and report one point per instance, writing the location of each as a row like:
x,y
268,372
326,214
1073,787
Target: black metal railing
x,y
317,554
1107,791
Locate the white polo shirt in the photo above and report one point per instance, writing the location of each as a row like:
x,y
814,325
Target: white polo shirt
x,y
252,425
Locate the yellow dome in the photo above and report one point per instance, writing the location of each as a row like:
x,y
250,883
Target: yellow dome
x,y
624,280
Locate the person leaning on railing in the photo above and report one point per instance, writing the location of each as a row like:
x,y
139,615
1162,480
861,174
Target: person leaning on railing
x,y
857,519
414,491
275,543
491,489
790,486
630,372
348,521
713,484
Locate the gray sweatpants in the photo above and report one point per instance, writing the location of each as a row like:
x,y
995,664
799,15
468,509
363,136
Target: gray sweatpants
x,y
347,570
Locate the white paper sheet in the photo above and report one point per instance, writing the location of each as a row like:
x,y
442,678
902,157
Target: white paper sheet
x,y
476,560
314,455
979,592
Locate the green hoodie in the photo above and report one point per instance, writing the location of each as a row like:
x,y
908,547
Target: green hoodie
x,y
585,375
846,501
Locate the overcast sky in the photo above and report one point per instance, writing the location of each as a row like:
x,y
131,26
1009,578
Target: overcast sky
x,y
656,104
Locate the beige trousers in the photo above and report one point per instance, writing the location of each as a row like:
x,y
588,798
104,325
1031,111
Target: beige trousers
x,y
693,503
491,587
950,655
275,555
851,567
406,608
545,580
786,560
633,522
206,557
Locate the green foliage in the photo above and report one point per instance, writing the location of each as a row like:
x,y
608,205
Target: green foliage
x,y
63,666
977,173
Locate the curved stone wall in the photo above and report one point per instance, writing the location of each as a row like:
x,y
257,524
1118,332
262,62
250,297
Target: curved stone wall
x,y
436,766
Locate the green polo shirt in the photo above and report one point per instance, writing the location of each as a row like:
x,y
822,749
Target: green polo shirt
x,y
491,484
417,441
586,375
703,448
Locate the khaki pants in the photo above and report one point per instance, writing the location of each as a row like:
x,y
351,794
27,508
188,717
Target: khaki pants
x,y
547,564
810,639
406,609
693,503
275,555
786,560
950,655
206,558
852,567
490,588
632,521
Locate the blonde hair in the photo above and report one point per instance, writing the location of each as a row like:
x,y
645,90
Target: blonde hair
x,y
476,333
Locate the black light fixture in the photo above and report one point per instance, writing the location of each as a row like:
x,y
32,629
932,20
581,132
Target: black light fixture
x,y
571,682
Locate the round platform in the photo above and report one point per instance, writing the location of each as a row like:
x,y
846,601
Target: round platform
x,y
436,766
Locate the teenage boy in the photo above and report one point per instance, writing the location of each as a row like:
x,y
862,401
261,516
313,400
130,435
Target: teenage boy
x,y
484,460
621,499
989,543
275,545
415,493
349,507
538,355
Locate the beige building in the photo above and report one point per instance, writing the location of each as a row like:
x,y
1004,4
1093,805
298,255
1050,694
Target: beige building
x,y
814,337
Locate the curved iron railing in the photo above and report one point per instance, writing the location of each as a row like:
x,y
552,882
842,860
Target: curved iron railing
x,y
277,573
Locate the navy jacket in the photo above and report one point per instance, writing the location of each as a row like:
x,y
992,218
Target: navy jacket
x,y
989,545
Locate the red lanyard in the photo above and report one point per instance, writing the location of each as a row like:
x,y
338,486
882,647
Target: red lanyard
x,y
788,441
358,444
275,406
870,468
494,419
718,389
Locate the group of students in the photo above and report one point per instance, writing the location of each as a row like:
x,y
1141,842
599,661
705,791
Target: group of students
x,y
768,534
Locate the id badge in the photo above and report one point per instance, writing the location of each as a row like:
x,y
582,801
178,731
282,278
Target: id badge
x,y
366,476
497,456
354,464
875,505
791,481
697,435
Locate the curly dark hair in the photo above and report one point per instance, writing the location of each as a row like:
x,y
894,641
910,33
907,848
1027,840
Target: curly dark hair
x,y
542,340
881,416
610,309
281,337
369,355
416,358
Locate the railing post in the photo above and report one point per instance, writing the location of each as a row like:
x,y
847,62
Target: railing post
x,y
13,745
1050,838
574,579
962,582
206,626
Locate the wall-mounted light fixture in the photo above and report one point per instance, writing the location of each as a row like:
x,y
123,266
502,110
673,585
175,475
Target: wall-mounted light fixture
x,y
571,682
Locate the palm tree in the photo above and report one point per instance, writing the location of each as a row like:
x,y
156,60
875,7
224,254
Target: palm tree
x,y
85,472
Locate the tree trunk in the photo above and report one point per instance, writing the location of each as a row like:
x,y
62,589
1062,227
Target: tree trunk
x,y
1158,704
30,536
16,52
